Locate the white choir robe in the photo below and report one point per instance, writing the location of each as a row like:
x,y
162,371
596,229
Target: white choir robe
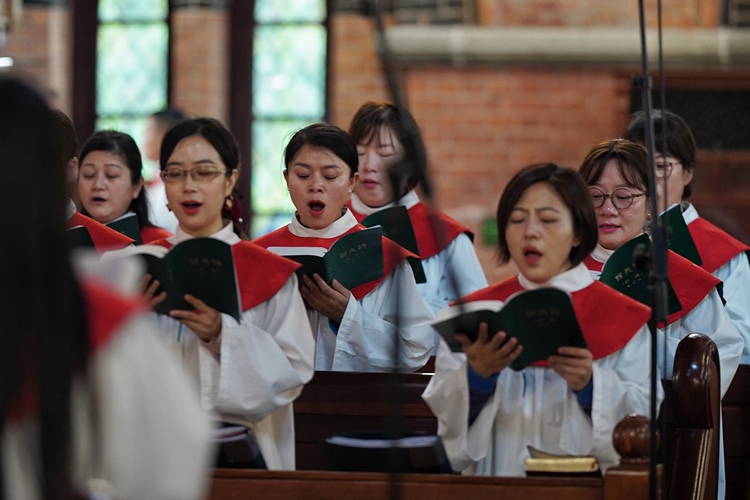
x,y
709,317
735,275
536,407
151,438
458,259
364,341
253,370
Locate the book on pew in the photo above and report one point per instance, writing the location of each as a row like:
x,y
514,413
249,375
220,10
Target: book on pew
x,y
127,225
620,273
79,237
354,259
680,240
541,463
379,452
397,226
238,448
201,267
542,320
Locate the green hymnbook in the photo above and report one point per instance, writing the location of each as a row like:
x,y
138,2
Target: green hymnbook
x,y
127,225
354,259
620,273
542,320
680,240
397,227
201,267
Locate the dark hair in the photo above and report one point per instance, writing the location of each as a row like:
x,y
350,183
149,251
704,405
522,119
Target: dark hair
x,y
574,193
327,136
222,141
125,147
631,160
168,117
679,138
43,340
373,116
65,134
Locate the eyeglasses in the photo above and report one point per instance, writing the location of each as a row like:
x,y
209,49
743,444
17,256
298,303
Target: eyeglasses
x,y
664,168
621,198
201,173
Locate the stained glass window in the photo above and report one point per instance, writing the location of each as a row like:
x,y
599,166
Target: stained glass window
x,y
131,65
289,89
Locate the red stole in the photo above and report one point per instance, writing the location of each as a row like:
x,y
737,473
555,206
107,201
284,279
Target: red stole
x,y
605,332
691,284
106,312
393,254
104,238
260,273
422,221
153,233
715,247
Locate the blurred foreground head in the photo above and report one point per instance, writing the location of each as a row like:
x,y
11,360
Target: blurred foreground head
x,y
43,337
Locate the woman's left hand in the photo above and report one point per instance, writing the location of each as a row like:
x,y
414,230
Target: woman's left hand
x,y
574,364
205,323
329,301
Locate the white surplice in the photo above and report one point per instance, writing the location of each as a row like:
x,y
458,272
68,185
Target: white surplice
x,y
253,370
536,407
365,338
151,439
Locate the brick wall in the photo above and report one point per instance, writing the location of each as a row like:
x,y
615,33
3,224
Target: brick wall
x,y
40,47
677,13
483,124
199,61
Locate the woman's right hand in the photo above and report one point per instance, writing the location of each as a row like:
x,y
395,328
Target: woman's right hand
x,y
148,288
486,356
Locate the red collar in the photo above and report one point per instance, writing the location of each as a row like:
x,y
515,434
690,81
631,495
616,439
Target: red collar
x,y
104,238
604,333
715,247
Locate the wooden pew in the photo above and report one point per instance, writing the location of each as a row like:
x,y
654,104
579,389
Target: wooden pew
x,y
736,414
627,481
336,403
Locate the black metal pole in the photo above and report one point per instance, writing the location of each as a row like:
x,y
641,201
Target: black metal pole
x,y
658,254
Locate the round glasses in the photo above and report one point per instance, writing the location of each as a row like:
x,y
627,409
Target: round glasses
x,y
621,198
201,173
664,168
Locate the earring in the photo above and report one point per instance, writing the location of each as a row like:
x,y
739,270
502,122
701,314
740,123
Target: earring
x,y
228,203
168,207
350,191
648,216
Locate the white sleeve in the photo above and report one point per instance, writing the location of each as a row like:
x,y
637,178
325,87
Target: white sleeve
x,y
710,318
262,362
736,277
364,341
155,435
457,262
621,386
447,395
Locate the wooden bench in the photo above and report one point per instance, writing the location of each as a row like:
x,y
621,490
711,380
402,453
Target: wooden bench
x,y
736,414
627,481
335,403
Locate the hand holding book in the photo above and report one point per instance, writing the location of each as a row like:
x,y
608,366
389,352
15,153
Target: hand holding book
x,y
489,356
330,301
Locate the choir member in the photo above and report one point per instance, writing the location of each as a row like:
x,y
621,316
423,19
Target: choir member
x,y
248,372
103,237
355,329
617,173
91,402
569,404
721,255
110,184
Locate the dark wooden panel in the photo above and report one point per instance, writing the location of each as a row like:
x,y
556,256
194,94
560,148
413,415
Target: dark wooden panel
x,y
736,471
736,415
235,485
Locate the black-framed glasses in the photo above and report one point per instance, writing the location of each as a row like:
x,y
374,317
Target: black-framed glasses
x,y
621,198
201,173
664,168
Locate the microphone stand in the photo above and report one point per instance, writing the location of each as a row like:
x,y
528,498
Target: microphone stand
x,y
658,254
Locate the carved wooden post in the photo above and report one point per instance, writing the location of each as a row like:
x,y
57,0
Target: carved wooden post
x,y
629,480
